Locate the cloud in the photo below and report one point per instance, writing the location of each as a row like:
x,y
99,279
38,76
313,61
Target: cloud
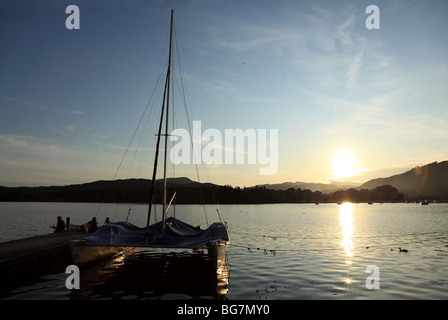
x,y
130,148
249,36
319,49
70,128
385,117
324,43
23,145
27,160
101,135
38,106
354,67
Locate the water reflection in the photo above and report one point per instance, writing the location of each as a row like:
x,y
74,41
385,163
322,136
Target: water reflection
x,y
346,223
154,275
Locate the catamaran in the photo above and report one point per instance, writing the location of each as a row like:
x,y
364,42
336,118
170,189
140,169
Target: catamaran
x,y
169,233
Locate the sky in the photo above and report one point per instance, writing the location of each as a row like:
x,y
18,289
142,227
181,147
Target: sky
x,y
346,102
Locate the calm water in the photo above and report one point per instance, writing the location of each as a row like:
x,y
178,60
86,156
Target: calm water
x,y
282,251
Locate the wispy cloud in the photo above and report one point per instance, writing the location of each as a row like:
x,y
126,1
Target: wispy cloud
x,y
118,147
354,67
21,144
248,37
70,128
38,106
386,117
325,44
101,135
28,160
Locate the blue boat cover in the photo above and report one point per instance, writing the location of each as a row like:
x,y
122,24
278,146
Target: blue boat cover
x,y
177,234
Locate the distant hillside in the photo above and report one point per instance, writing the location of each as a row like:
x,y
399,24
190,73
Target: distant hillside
x,y
426,182
133,184
323,187
129,190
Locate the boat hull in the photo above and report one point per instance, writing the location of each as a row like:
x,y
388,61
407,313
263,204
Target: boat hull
x,y
217,253
84,253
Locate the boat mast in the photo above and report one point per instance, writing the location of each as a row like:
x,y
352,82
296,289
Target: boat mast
x,y
156,158
167,118
166,96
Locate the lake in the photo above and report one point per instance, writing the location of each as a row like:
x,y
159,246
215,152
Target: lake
x,y
278,252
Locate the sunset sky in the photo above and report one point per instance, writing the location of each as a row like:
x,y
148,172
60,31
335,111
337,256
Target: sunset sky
x,y
349,103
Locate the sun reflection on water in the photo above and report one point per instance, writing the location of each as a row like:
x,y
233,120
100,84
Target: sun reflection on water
x,y
346,223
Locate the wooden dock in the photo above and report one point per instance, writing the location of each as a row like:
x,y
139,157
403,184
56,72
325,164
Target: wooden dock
x,y
23,259
15,250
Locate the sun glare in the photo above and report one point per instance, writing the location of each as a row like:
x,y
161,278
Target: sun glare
x,y
344,164
346,223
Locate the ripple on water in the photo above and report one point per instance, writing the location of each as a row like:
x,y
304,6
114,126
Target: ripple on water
x,y
296,252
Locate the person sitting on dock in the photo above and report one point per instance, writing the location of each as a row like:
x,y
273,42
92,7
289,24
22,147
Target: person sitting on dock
x,y
107,221
60,226
93,225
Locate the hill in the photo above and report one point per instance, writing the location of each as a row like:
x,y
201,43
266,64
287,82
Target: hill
x,y
426,182
188,192
128,190
323,187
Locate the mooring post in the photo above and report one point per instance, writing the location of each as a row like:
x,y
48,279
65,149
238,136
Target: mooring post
x,y
67,224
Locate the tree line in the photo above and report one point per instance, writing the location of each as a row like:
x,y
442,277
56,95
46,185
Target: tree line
x,y
199,194
260,195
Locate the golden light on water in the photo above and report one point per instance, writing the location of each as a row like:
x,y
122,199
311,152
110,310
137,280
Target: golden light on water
x,y
346,223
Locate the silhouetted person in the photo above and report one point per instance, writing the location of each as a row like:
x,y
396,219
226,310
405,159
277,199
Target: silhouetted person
x,y
107,221
93,225
60,225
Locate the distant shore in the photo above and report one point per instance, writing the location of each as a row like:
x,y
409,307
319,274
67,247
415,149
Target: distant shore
x,y
429,182
197,193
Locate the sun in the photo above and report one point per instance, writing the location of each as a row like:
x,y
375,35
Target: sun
x,y
344,164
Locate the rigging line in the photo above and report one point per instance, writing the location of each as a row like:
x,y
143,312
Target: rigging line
x,y
168,84
155,213
143,141
173,119
219,215
188,122
153,183
135,132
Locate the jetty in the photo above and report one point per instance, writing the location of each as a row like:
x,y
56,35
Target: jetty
x,y
30,258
